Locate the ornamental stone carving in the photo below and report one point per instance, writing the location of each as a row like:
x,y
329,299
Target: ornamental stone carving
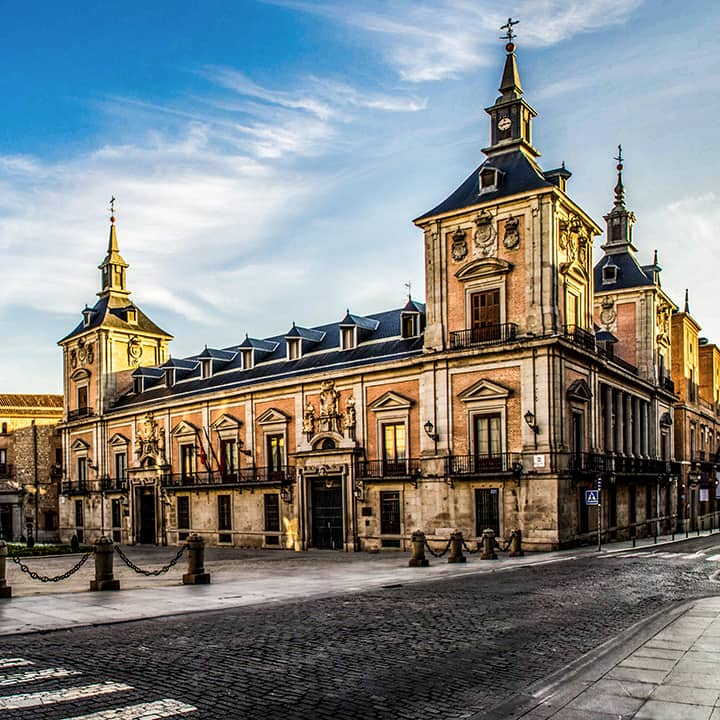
x,y
134,351
85,352
574,243
349,419
485,237
309,420
459,245
329,420
149,443
511,238
663,323
608,312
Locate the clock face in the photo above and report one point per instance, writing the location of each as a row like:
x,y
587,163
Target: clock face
x,y
504,123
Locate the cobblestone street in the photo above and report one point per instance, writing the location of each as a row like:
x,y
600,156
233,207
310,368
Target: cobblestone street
x,y
450,648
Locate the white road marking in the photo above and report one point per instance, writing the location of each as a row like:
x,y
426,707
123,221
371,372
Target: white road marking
x,y
31,675
143,711
14,662
27,700
692,556
714,558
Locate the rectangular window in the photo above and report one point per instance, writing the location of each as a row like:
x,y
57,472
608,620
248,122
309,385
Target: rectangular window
x,y
664,444
487,442
187,461
272,518
116,514
82,397
390,517
228,459
394,449
347,337
275,453
3,460
485,315
51,520
487,511
410,325
693,446
81,470
572,310
79,520
293,348
224,518
576,435
183,516
120,468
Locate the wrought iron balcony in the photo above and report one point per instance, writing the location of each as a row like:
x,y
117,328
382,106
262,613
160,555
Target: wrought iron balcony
x,y
599,463
6,470
80,413
579,336
480,464
244,476
78,487
383,469
108,484
487,335
667,384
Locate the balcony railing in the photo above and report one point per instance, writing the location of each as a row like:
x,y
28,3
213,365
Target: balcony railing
x,y
244,476
378,469
487,335
77,487
80,413
6,470
108,484
667,384
480,464
598,463
579,336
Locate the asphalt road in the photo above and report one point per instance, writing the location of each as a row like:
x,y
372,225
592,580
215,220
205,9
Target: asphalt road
x,y
451,648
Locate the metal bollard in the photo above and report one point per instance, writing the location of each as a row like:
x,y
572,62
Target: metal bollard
x,y
196,574
456,548
488,545
104,553
418,557
5,589
516,544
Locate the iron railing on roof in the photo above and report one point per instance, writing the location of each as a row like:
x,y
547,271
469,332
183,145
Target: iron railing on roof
x,y
80,413
486,335
244,476
480,464
579,336
379,469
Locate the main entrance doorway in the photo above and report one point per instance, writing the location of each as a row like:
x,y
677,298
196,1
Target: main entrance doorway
x,y
147,517
327,513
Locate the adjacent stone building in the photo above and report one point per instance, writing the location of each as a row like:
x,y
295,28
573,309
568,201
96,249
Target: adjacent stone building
x,y
30,465
526,378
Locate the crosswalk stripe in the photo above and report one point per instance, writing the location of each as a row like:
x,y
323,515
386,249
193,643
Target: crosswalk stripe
x,y
31,675
692,556
714,558
48,697
14,662
142,711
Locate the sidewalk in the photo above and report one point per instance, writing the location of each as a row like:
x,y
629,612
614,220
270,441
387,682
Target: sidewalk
x,y
667,672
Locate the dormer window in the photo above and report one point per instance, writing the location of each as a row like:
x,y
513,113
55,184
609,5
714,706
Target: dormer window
x,y
609,274
294,351
247,358
131,315
410,325
138,385
206,368
87,315
170,377
348,338
489,180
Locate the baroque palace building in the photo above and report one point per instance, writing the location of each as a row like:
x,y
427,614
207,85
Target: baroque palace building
x,y
526,377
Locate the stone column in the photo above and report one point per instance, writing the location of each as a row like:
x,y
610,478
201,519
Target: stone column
x,y
619,422
636,445
628,418
644,429
608,434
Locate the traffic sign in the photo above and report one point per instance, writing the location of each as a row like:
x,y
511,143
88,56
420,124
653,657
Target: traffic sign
x,y
591,497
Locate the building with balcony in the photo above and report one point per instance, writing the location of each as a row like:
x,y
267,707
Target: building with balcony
x,y
30,465
521,382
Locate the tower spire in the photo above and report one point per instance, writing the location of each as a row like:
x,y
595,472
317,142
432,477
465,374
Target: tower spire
x,y
619,187
510,84
113,266
687,303
619,220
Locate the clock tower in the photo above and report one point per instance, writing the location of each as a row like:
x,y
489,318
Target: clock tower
x,y
510,117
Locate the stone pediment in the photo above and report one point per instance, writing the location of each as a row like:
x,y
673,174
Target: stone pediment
x,y
80,374
390,401
80,445
119,439
485,390
184,428
579,390
272,416
226,422
483,267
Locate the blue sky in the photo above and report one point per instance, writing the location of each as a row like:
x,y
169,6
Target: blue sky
x,y
268,157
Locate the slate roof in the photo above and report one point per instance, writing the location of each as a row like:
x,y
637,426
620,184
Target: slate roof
x,y
109,311
629,273
520,174
384,343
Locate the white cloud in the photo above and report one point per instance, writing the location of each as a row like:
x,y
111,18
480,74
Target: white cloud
x,y
428,40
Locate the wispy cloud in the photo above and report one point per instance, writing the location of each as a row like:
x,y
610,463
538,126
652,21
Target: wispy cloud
x,y
429,40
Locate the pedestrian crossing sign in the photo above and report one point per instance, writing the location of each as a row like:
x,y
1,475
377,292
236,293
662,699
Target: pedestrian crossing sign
x,y
591,497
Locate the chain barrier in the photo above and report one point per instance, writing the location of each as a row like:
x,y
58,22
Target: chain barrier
x,y
472,552
44,578
506,546
437,554
150,573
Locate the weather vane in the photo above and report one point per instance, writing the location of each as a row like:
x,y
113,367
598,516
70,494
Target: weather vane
x,y
619,158
509,35
408,285
112,208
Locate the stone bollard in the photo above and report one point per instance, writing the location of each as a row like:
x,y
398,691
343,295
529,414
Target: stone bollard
x,y
488,545
196,574
418,558
516,544
456,548
104,554
5,589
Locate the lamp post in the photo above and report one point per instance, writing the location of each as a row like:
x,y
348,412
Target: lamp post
x,y
430,432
